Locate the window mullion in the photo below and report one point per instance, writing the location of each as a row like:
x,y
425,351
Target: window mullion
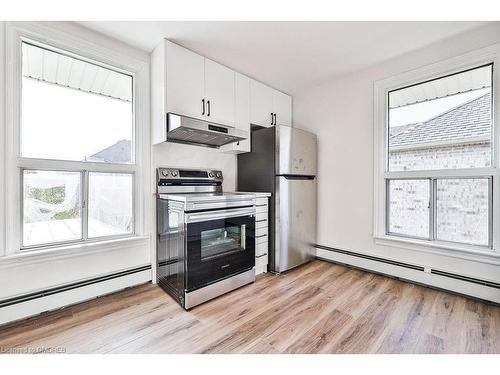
x,y
432,209
490,213
85,200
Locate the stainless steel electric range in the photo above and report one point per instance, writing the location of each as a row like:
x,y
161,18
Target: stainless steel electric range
x,y
205,237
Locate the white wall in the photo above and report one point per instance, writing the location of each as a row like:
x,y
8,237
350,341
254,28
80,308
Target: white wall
x,y
340,112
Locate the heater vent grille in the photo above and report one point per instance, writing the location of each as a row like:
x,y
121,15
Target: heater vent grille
x,y
469,279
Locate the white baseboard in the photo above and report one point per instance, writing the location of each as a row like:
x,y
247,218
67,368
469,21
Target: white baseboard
x,y
442,282
58,300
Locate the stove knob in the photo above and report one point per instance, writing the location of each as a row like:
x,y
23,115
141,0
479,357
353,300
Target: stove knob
x,y
219,174
210,174
164,173
174,173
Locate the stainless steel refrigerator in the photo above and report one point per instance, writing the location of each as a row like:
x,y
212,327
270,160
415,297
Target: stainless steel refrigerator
x,y
283,161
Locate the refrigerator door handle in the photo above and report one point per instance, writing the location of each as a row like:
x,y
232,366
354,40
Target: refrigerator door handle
x,y
296,177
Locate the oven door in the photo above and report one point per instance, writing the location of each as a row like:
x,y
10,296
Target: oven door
x,y
219,244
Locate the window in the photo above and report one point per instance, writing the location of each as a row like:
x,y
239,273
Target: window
x,y
73,109
463,210
52,207
77,136
106,217
444,123
437,171
408,207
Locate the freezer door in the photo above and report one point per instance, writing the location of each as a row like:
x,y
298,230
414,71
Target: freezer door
x,y
295,222
296,151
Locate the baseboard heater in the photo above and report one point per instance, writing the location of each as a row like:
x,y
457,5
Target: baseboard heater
x,y
64,288
487,283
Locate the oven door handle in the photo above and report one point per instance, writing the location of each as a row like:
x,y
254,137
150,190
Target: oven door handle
x,y
196,217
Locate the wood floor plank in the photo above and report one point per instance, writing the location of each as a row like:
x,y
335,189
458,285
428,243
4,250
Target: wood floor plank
x,y
337,295
317,308
245,335
321,334
364,330
405,328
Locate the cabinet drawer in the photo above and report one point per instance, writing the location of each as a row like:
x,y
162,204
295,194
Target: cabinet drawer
x,y
261,216
259,232
261,239
261,261
261,209
261,224
261,201
261,249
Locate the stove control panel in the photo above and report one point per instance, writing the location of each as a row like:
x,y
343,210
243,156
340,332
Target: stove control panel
x,y
187,176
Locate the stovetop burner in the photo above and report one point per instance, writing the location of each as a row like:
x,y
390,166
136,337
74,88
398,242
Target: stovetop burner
x,y
198,189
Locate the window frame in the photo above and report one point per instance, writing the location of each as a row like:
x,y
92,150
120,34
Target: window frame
x,y
62,41
82,212
84,209
474,59
43,45
434,201
388,208
433,213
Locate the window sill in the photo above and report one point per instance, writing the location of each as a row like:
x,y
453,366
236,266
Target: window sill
x,y
466,252
66,251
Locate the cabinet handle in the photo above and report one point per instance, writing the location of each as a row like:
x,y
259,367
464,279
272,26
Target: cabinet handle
x,y
275,119
202,106
272,118
208,104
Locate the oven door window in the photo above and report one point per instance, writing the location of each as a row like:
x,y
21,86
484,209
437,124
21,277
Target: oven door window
x,y
223,241
219,248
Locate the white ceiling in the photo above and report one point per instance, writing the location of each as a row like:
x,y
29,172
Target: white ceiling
x,y
287,55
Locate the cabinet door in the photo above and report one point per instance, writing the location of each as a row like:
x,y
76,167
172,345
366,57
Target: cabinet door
x,y
219,93
282,107
261,104
241,114
185,86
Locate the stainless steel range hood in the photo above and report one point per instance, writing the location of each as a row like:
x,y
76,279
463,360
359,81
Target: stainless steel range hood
x,y
182,129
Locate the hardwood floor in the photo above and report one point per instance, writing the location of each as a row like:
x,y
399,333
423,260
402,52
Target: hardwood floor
x,y
318,308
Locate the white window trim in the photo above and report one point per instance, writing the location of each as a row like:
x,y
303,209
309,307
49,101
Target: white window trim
x,y
63,36
457,64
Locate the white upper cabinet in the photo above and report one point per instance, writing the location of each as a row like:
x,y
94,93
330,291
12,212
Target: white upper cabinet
x,y
185,81
268,106
188,84
241,113
261,104
282,108
219,93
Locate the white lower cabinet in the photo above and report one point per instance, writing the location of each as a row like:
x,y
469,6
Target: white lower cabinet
x,y
261,234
